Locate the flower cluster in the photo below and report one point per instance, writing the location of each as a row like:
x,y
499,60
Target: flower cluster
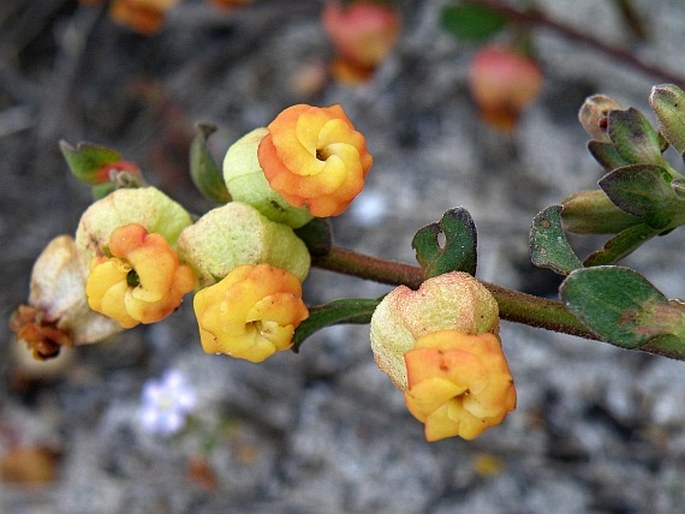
x,y
137,253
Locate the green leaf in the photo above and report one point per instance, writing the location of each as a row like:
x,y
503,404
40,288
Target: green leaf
x,y
592,212
317,235
347,310
89,162
606,155
621,245
205,173
636,141
668,102
458,252
549,247
471,22
617,303
644,190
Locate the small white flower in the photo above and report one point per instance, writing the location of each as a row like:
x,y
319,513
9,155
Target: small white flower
x,y
165,403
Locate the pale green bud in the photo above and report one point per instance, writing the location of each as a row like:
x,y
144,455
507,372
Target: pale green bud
x,y
246,182
453,300
236,234
146,206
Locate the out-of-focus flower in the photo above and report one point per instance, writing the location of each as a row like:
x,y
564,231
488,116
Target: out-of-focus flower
x,y
313,156
458,384
246,183
251,313
144,16
230,4
503,82
235,234
363,34
453,300
142,281
57,313
146,206
166,402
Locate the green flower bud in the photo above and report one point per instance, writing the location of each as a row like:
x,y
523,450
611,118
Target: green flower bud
x,y
236,234
668,102
592,212
453,300
146,206
246,182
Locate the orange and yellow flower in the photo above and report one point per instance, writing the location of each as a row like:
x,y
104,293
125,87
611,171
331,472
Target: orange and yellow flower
x,y
313,156
251,313
143,280
459,385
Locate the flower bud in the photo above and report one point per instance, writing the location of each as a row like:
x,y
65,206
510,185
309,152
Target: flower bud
x,y
57,313
314,157
668,102
592,212
453,300
503,83
458,384
593,116
236,234
251,313
145,206
246,182
142,281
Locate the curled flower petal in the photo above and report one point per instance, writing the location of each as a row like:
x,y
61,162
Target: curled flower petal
x,y
313,156
458,384
251,313
142,282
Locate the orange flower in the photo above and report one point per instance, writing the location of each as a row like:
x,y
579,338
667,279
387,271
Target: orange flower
x,y
144,16
313,156
142,281
459,385
251,313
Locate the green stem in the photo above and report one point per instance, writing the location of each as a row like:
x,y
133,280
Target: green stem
x,y
513,305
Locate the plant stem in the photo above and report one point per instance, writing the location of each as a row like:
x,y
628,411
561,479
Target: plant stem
x,y
537,18
513,305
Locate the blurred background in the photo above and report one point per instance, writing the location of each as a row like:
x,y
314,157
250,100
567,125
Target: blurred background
x,y
597,429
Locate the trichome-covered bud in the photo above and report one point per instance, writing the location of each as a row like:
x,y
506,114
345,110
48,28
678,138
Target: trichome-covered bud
x,y
668,102
246,182
452,301
251,313
235,234
593,115
458,384
57,313
145,206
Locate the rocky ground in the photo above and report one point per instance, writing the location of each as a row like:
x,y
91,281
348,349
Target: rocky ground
x,y
597,429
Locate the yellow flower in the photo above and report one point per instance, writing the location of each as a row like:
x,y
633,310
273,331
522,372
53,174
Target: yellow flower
x,y
459,385
251,313
142,281
313,156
